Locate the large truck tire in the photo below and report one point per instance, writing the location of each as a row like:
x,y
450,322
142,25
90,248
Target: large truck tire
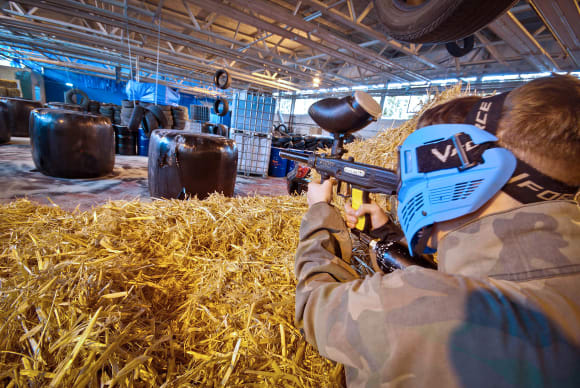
x,y
437,21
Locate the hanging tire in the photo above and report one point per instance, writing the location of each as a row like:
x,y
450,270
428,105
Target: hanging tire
x,y
221,107
70,98
222,79
437,20
457,51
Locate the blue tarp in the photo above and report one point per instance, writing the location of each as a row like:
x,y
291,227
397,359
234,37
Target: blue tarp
x,y
102,89
149,92
109,90
97,88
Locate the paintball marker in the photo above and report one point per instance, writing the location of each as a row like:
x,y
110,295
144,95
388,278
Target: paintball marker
x,y
341,117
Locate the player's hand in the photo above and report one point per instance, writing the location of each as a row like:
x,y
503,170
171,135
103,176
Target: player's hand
x,y
320,192
378,216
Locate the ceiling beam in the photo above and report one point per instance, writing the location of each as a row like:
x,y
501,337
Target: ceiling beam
x,y
149,29
364,29
563,20
75,26
490,48
286,63
365,12
511,31
176,59
282,15
59,48
251,20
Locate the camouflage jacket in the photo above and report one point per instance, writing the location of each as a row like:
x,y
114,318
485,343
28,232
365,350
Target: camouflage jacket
x,y
502,310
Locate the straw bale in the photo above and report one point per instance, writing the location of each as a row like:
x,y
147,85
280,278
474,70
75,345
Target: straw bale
x,y
146,294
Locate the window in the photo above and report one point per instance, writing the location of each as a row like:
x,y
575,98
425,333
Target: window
x,y
402,107
303,104
285,104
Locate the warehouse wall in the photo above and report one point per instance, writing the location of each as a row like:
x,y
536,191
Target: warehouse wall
x,y
106,90
31,83
97,88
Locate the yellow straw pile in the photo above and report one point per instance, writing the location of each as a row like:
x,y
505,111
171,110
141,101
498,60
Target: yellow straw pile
x,y
150,294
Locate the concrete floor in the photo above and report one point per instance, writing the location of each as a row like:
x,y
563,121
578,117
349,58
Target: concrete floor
x,y
20,179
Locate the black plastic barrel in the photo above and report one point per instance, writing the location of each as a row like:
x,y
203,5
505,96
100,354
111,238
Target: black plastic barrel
x,y
278,166
64,105
18,114
116,134
4,130
142,143
191,164
126,141
71,144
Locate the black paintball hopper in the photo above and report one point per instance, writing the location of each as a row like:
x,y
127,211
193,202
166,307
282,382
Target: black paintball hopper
x,y
345,115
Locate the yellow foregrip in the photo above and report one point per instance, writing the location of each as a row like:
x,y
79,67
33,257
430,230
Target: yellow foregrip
x,y
357,200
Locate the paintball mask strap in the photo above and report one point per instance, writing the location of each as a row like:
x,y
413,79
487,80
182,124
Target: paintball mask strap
x,y
487,112
459,151
529,185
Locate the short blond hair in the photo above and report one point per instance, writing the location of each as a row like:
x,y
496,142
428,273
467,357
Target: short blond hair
x,y
540,124
451,112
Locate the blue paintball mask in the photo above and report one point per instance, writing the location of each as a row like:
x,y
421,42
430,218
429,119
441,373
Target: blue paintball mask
x,y
450,170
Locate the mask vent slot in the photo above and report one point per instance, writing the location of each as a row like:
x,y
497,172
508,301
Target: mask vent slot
x,y
411,209
459,191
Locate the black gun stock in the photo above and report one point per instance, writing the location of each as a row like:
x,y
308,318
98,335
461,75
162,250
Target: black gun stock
x,y
364,177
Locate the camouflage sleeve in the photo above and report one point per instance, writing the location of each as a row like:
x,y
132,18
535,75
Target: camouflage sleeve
x,y
390,327
322,261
